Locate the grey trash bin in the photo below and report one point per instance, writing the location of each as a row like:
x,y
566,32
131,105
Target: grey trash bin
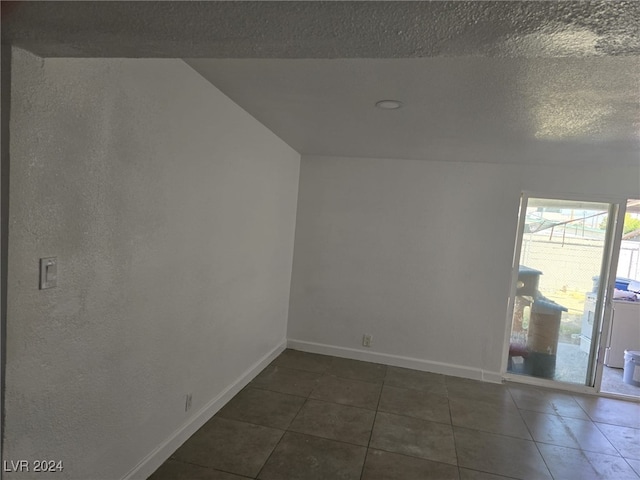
x,y
631,367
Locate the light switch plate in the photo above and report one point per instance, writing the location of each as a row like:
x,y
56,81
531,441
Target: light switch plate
x,y
48,272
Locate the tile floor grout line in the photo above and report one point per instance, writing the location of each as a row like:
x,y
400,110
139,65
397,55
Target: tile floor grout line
x,y
613,424
555,414
318,436
415,418
327,439
597,398
351,378
260,387
373,425
526,425
490,473
415,457
583,408
248,423
209,467
493,433
594,424
581,449
364,464
296,415
298,412
270,454
283,433
281,437
341,404
250,386
453,433
531,435
253,423
605,436
544,460
631,466
307,400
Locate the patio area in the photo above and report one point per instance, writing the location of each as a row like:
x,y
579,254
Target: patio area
x,y
571,367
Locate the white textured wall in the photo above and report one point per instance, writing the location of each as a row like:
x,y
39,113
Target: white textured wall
x,y
418,254
172,213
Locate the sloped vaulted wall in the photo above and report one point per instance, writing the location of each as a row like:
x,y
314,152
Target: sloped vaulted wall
x,y
171,212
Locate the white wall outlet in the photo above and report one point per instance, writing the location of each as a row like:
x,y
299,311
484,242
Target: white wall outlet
x,y
367,340
48,272
187,403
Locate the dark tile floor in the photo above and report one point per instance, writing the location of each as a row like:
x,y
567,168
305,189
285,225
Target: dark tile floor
x,y
315,417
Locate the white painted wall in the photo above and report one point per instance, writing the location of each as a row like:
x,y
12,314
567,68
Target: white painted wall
x,y
171,211
384,247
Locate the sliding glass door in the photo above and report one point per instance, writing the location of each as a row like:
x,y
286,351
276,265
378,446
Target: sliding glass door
x,y
619,370
560,279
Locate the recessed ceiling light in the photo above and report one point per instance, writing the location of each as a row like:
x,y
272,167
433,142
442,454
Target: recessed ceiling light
x,y
389,104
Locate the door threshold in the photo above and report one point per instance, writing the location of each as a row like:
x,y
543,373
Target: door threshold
x,y
566,387
547,383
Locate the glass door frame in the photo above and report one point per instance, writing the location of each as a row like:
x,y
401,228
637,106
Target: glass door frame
x,y
596,370
613,237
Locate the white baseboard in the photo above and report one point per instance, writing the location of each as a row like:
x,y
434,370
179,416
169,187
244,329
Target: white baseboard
x,y
397,361
162,452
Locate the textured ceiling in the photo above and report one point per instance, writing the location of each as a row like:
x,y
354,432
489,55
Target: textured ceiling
x,y
323,29
497,81
473,108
